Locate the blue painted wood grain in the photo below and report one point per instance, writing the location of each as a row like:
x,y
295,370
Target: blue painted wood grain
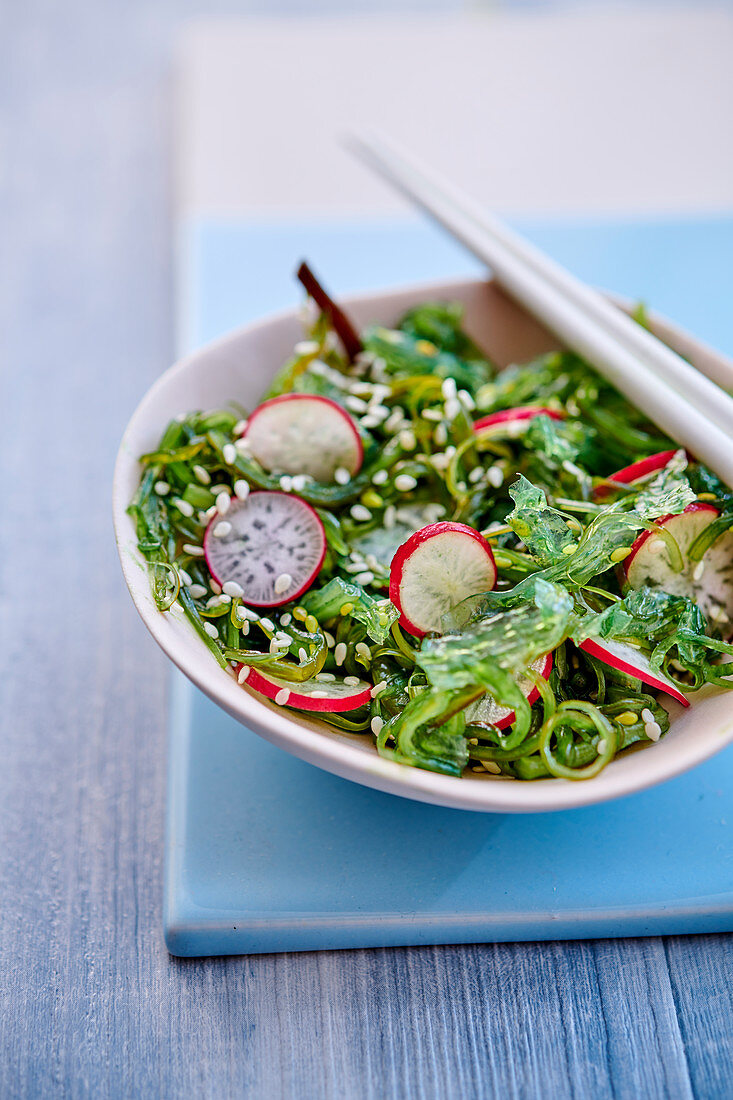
x,y
90,1002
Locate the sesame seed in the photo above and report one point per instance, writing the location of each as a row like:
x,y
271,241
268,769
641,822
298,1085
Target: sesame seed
x,y
186,578
646,715
223,503
243,673
364,578
282,638
356,404
194,551
282,584
211,630
306,347
161,488
380,411
339,653
244,627
248,613
698,571
571,548
215,586
370,421
300,481
477,768
395,419
268,624
319,695
475,475
653,730
360,513
203,475
362,650
229,451
330,640
356,566
448,388
407,440
452,408
240,427
377,724
601,746
342,476
231,588
282,697
311,624
196,591
628,718
378,689
325,677
222,529
241,446
440,435
466,399
404,483
390,515
352,681
286,619
224,599
495,476
302,655
432,414
241,489
621,553
183,507
492,767
286,483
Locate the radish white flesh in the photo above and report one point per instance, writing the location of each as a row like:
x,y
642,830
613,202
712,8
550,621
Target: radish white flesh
x,y
487,710
264,540
515,421
301,433
436,568
626,658
709,581
316,695
637,471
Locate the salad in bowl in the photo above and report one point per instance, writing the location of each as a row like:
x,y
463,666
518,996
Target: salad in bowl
x,y
477,572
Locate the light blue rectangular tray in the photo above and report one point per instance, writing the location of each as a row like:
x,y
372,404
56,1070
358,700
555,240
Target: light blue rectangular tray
x,y
267,853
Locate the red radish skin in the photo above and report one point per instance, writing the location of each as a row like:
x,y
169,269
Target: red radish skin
x,y
708,582
636,471
518,417
626,659
272,534
436,568
271,687
488,710
303,433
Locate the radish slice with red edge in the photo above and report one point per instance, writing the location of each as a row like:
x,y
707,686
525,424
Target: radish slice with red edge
x,y
630,660
487,711
652,464
272,545
709,581
303,433
332,696
515,420
436,568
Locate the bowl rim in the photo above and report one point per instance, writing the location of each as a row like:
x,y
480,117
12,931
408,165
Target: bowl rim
x,y
485,793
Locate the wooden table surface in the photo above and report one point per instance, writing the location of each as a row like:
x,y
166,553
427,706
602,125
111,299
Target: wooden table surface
x,y
90,1002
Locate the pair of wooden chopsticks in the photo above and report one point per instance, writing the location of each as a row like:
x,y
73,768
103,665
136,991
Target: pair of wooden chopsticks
x,y
686,404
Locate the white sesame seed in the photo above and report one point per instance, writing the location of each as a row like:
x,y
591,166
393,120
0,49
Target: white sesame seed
x,y
330,640
240,427
646,715
183,507
194,551
440,435
243,673
282,584
377,724
211,630
283,638
282,697
248,613
325,677
306,347
378,689
186,578
216,489
339,653
452,408
275,646
223,503
407,440
286,483
319,695
229,451
202,474
601,746
466,399
267,623
380,411
404,483
653,730
495,476
475,475
241,489
380,477
364,578
698,571
492,767
231,588
395,419
342,476
448,388
432,414
215,586
352,681
356,404
241,446
300,481
360,513
362,650
161,488
390,514
244,627
196,591
370,421
286,619
222,529
224,599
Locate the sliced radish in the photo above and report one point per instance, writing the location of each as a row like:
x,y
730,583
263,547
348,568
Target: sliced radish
x,y
637,471
436,568
302,433
630,660
709,582
331,695
487,710
515,420
272,544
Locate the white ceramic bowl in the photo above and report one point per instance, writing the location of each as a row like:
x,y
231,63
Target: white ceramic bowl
x,y
239,367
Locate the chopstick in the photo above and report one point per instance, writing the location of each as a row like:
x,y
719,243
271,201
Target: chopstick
x,y
690,407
